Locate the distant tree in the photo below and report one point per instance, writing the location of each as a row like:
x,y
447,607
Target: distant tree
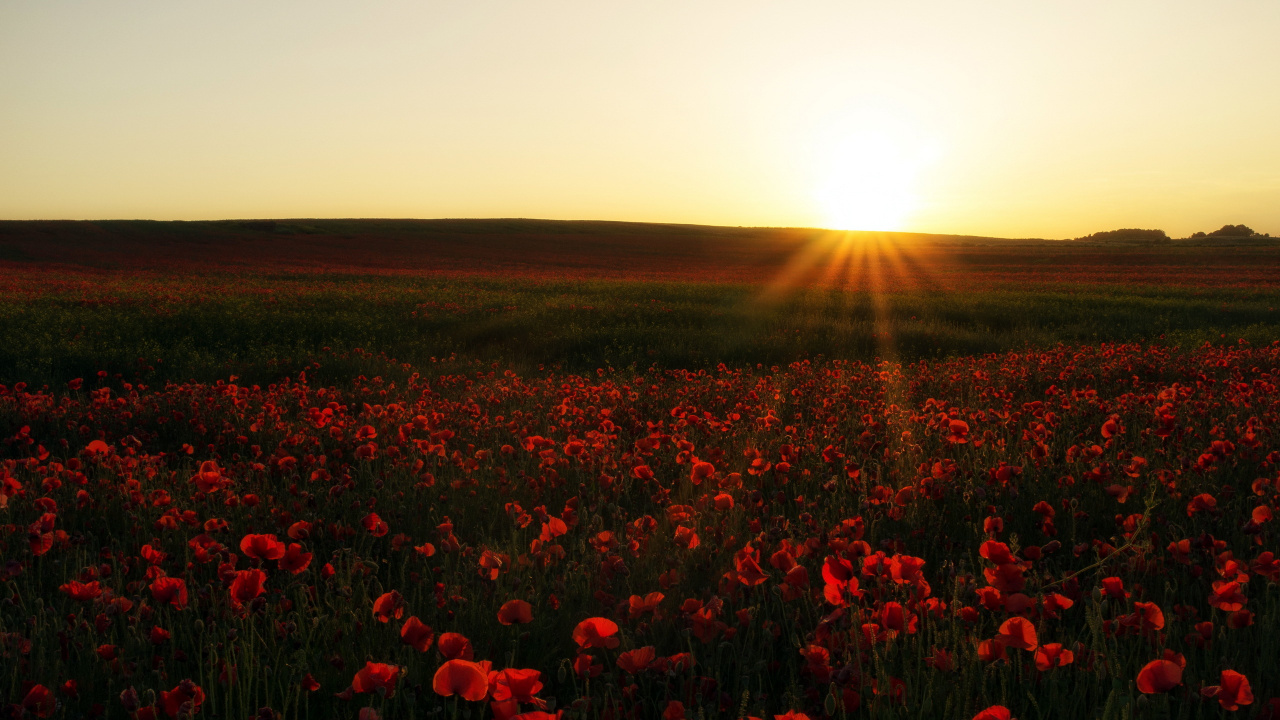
x,y
1233,231
1129,235
1198,234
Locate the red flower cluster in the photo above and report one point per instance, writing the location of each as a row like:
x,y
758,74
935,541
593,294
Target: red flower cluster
x,y
647,539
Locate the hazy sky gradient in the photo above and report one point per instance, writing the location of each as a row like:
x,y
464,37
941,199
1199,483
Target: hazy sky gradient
x,y
1048,119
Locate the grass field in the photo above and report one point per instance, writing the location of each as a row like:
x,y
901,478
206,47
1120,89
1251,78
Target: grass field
x,y
315,469
213,300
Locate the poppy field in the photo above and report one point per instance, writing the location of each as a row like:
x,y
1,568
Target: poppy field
x,y
383,495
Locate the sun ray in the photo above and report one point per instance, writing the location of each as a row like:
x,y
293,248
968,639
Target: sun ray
x,y
810,258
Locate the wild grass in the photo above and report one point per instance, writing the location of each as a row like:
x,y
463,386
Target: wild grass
x,y
261,326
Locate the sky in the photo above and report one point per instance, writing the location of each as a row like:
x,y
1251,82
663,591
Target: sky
x,y
1004,118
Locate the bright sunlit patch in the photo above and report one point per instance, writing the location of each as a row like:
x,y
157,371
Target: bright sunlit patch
x,y
868,180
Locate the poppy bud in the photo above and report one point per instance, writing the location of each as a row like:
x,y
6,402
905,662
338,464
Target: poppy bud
x,y
129,698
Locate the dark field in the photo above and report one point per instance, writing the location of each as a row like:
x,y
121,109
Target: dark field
x,y
604,470
209,300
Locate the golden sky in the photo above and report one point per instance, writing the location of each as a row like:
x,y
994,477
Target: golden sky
x,y
989,117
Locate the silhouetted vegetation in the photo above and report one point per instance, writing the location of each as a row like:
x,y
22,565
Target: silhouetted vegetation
x,y
1230,231
1128,235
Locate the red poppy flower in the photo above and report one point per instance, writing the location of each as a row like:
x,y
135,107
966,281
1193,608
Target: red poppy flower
x,y
375,525
991,651
416,634
1239,619
586,666
1226,596
1204,502
940,660
262,547
553,528
463,678
40,542
997,552
1232,691
1113,587
108,652
389,605
295,559
515,611
701,471
1006,578
1149,616
1159,676
187,696
749,572
681,662
209,479
1051,655
491,564
376,675
838,572
247,585
455,646
596,632
897,618
641,605
82,592
170,590
637,661
796,578
518,685
995,712
1018,632
39,701
1054,603
1111,427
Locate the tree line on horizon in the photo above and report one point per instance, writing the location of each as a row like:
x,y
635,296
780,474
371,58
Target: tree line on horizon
x,y
1159,236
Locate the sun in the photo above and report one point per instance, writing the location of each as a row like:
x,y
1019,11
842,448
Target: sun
x,y
867,180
